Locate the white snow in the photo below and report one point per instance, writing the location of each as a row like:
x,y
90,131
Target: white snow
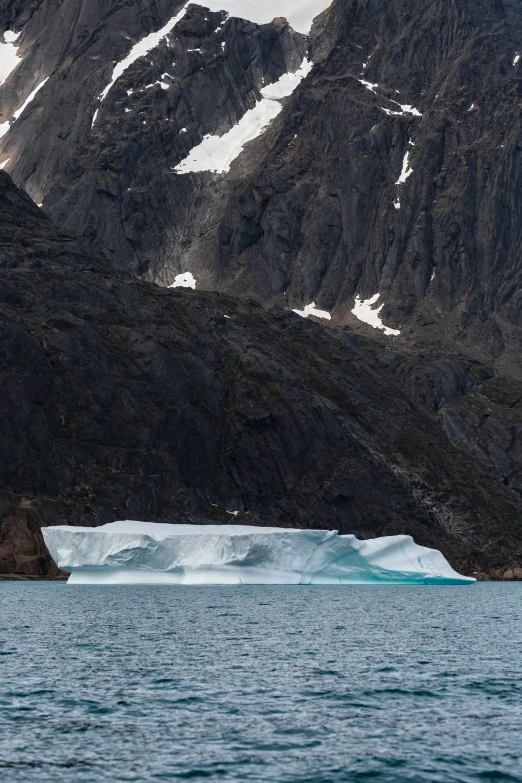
x,y
397,204
312,310
216,153
471,107
406,170
364,311
405,108
517,58
10,36
141,48
4,164
299,13
369,85
28,100
4,127
185,280
9,58
95,115
129,552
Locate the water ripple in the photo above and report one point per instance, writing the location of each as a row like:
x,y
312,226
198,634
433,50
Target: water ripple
x,y
266,684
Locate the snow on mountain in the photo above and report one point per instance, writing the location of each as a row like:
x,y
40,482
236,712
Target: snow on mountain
x,y
363,310
216,153
140,49
9,57
311,309
299,13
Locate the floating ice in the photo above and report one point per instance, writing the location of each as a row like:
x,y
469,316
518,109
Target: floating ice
x,y
131,552
311,310
185,280
364,312
216,153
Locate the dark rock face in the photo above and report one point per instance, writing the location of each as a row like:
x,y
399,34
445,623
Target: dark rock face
x,y
121,399
392,168
112,179
307,211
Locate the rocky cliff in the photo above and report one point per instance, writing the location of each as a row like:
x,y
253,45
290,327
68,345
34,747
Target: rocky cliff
x,y
392,168
364,168
123,399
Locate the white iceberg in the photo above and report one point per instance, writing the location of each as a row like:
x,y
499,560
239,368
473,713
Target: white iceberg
x,y
130,552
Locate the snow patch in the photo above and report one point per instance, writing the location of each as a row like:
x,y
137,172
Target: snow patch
x,y
405,108
364,311
4,164
184,280
9,58
130,552
216,153
369,85
406,170
142,48
94,117
517,58
312,310
28,100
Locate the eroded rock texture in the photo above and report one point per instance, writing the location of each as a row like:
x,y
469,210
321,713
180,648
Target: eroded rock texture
x,y
122,399
311,210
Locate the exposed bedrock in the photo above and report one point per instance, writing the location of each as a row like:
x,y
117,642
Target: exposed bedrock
x,y
393,168
124,399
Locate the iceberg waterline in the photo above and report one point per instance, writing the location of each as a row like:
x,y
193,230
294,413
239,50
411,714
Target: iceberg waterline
x,y
133,552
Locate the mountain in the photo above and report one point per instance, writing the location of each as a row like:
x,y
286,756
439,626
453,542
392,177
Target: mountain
x,y
362,169
393,167
124,399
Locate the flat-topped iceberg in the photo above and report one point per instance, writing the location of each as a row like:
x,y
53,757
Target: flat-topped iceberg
x,y
130,552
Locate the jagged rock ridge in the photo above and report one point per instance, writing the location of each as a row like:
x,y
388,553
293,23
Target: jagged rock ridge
x,y
311,211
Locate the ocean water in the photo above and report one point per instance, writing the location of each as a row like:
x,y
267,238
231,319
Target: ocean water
x,y
287,684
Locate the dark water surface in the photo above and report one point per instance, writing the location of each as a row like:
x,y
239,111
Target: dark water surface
x,y
316,684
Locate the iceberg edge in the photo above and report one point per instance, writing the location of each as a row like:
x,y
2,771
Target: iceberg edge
x,y
133,552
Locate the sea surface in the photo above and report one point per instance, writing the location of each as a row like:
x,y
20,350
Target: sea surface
x,y
321,684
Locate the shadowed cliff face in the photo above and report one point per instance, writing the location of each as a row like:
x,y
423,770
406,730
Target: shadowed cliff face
x,y
417,93
122,399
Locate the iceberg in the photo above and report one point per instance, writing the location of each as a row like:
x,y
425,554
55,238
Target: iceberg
x,y
132,552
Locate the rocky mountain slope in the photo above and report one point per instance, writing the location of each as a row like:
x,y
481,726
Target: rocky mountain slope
x,y
123,399
364,169
392,168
